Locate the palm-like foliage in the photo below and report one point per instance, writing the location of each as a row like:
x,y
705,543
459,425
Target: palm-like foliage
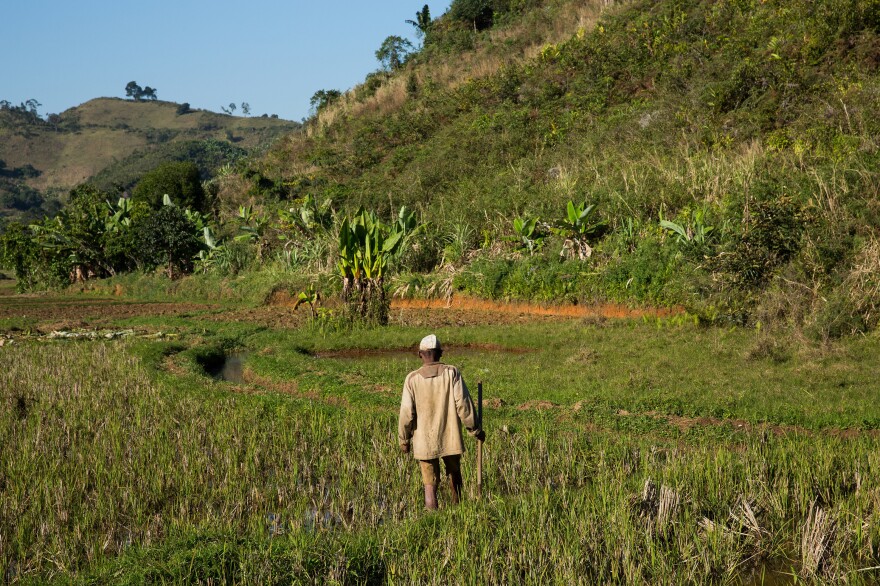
x,y
422,21
529,233
254,228
695,232
580,225
366,247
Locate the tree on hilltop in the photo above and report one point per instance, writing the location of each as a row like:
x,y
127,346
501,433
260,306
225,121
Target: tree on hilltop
x,y
393,52
422,21
323,98
136,92
133,90
477,12
27,112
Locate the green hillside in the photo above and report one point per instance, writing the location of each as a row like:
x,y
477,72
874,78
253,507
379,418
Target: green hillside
x,y
751,126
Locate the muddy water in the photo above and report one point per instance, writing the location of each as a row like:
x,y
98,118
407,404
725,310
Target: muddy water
x,y
769,576
231,369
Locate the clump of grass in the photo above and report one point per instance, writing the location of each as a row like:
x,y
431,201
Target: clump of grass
x,y
770,346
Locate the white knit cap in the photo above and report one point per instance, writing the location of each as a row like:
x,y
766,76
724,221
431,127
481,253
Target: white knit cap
x,y
429,342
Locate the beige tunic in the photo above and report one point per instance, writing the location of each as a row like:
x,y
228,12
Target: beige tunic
x,y
434,400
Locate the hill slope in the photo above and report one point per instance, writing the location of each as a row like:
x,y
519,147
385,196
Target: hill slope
x,y
86,140
751,126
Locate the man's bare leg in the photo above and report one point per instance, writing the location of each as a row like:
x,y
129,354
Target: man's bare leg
x,y
453,471
430,497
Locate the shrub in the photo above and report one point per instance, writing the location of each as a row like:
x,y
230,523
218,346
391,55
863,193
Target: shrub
x,y
770,237
477,12
168,238
179,180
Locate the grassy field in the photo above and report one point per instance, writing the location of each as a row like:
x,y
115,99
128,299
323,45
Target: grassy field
x,y
644,451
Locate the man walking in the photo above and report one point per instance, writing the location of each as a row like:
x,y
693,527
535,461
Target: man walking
x,y
434,405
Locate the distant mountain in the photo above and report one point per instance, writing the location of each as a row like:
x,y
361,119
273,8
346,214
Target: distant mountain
x,y
115,141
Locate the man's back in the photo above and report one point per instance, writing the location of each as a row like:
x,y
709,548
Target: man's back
x,y
435,398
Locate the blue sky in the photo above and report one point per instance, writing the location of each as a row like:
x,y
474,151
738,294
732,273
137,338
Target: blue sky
x,y
270,53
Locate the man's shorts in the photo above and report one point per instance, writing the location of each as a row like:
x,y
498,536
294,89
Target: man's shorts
x,y
431,469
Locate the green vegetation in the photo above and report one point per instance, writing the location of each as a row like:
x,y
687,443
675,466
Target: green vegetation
x,y
178,180
423,21
92,237
366,248
676,153
323,98
600,469
716,155
393,52
209,156
730,148
136,92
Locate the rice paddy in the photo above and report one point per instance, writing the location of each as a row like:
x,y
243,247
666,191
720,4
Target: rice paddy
x,y
646,451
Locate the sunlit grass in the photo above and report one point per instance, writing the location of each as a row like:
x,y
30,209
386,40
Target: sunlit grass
x,y
113,472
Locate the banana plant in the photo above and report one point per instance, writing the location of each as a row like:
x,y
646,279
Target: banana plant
x,y
366,247
529,233
578,228
120,215
308,219
308,297
196,218
215,256
694,233
253,228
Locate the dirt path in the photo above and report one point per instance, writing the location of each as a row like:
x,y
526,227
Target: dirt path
x,y
603,310
66,313
460,310
463,310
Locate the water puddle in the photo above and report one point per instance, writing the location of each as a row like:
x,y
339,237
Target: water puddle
x,y
230,369
771,574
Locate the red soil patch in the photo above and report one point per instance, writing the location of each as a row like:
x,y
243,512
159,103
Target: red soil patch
x,y
280,298
606,310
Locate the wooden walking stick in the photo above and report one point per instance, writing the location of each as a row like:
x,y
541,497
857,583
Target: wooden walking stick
x,y
480,442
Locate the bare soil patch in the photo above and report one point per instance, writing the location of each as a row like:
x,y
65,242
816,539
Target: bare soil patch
x,y
537,406
604,310
494,403
51,313
274,316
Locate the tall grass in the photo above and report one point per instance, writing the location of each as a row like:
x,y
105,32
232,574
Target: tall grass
x,y
493,49
110,473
